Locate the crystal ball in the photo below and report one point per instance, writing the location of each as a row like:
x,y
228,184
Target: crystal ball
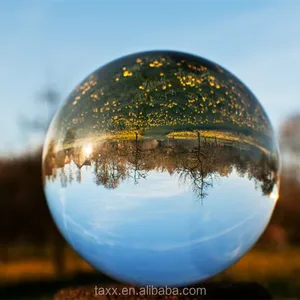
x,y
161,168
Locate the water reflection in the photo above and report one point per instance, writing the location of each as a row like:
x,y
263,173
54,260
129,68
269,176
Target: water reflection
x,y
161,211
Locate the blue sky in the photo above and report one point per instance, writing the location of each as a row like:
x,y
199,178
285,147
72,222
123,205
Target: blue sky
x,y
164,235
59,42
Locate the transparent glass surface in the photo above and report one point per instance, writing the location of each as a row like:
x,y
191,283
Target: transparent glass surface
x,y
161,168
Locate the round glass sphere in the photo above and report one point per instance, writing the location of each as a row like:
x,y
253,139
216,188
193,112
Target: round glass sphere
x,y
161,168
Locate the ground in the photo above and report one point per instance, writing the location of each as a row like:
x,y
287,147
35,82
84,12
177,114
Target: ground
x,y
270,268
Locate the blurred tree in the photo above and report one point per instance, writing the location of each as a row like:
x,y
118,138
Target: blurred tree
x,y
290,134
47,103
25,217
285,219
290,146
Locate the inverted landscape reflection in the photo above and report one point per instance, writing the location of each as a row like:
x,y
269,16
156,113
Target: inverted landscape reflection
x,y
161,168
162,212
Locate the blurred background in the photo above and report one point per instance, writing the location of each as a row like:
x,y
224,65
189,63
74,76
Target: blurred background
x,y
48,47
